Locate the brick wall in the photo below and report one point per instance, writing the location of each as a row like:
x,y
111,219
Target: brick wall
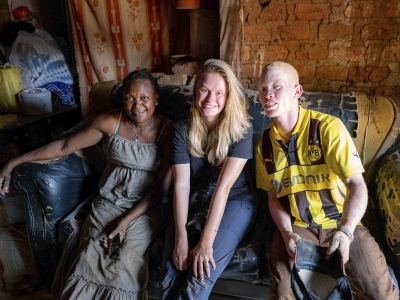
x,y
336,45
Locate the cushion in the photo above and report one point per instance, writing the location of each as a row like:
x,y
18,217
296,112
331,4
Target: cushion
x,y
15,256
12,207
100,94
371,120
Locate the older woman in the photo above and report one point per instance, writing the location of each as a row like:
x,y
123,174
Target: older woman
x,y
137,175
212,189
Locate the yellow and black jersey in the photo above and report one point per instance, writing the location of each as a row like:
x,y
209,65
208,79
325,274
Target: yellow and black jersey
x,y
306,173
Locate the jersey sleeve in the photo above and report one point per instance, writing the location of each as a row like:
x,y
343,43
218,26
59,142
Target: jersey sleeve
x,y
341,154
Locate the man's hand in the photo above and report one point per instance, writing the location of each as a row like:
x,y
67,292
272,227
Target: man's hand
x,y
291,239
339,241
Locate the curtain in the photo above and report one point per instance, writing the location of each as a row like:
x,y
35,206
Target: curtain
x,y
231,33
115,37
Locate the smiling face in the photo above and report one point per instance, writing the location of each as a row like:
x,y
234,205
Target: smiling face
x,y
140,100
279,91
211,95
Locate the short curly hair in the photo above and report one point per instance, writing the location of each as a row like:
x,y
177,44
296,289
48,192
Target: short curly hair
x,y
140,74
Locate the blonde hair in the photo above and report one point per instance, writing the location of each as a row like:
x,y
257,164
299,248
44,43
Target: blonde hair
x,y
286,66
233,123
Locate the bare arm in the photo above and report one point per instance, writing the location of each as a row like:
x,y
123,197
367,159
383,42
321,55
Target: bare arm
x,y
283,222
354,208
91,135
163,182
181,207
231,170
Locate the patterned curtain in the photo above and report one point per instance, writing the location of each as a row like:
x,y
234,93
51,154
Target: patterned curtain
x,y
115,37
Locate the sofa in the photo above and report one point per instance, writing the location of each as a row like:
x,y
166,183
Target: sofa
x,y
58,193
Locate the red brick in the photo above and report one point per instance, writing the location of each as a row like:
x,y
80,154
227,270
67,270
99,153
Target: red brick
x,y
274,12
248,70
358,74
368,74
294,32
386,31
392,9
391,53
275,53
360,9
335,2
311,12
306,69
335,32
349,53
374,52
388,91
391,80
317,51
256,34
301,52
378,73
246,52
337,73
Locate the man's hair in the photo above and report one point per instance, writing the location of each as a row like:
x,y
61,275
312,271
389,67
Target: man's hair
x,y
140,74
233,123
283,65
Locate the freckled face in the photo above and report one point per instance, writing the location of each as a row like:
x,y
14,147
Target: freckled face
x,y
278,92
211,94
140,100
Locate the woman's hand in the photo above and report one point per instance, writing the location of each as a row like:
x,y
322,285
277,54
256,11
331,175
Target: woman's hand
x,y
202,258
120,228
180,256
5,179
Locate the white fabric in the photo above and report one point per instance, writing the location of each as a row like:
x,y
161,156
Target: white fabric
x,y
39,59
14,4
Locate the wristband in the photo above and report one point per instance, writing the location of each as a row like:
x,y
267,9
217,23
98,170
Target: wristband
x,y
347,231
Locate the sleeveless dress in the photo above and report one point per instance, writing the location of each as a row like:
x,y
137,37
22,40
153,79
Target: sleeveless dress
x,y
128,176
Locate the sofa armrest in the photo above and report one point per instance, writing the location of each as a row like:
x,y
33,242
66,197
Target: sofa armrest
x,y
51,190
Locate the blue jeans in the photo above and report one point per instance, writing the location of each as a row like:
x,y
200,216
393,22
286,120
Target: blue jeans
x,y
235,224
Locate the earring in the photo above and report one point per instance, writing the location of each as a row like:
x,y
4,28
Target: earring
x,y
156,103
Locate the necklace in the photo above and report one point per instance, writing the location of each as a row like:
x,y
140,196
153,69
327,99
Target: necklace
x,y
147,129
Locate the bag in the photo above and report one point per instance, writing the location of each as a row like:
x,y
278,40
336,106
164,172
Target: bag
x,y
197,216
10,86
316,278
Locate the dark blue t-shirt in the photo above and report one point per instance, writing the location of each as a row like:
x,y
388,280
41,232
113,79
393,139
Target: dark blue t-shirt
x,y
203,175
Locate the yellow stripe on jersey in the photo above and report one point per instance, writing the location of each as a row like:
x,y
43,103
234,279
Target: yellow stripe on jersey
x,y
317,212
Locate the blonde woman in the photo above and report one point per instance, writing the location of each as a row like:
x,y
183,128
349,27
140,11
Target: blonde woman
x,y
213,195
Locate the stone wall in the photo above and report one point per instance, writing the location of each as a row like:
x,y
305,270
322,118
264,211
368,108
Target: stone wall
x,y
336,45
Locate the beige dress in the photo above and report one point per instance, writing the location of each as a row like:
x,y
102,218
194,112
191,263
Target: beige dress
x,y
129,174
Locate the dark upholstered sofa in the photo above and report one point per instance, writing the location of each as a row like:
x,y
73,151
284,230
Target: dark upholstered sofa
x,y
58,193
